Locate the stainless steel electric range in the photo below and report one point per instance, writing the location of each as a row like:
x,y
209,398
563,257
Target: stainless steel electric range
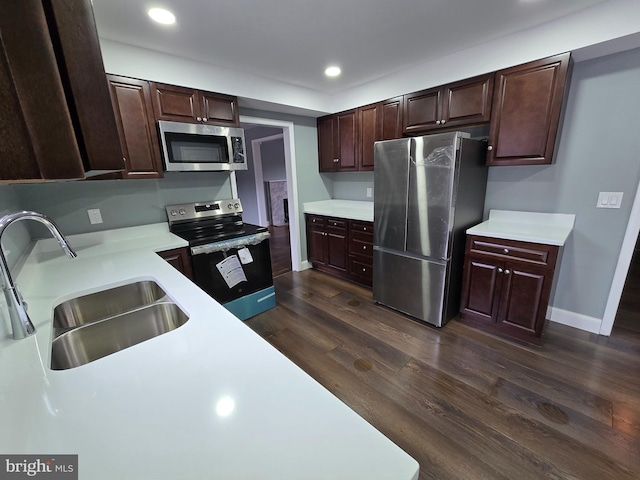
x,y
230,258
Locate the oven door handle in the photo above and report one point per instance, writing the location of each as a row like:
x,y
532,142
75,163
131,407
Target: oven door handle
x,y
225,245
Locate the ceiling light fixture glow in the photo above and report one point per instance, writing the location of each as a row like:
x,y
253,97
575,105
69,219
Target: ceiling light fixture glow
x,y
163,16
332,71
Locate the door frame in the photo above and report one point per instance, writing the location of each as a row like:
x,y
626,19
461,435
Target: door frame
x,y
622,267
292,182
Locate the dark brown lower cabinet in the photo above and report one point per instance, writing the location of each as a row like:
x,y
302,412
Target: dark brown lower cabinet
x,y
341,247
180,259
506,286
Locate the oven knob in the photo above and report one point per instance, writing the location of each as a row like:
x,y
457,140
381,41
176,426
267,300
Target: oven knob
x,y
183,211
230,206
236,205
173,213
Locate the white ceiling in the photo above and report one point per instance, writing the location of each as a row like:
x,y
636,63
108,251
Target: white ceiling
x,y
292,41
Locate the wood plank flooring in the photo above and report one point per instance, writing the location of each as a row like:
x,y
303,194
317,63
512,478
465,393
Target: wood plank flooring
x,y
280,249
463,403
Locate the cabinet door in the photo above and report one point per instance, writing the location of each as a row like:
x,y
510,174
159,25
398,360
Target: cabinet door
x,y
177,104
179,259
481,288
82,71
527,104
337,250
422,111
391,119
218,109
369,132
132,105
325,143
522,301
347,136
467,102
316,242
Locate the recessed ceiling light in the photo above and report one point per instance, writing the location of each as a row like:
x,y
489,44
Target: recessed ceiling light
x,y
332,71
161,15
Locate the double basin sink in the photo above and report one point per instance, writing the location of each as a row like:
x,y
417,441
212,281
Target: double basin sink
x,y
93,326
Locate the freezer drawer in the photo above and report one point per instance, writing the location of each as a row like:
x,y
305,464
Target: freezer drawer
x,y
410,285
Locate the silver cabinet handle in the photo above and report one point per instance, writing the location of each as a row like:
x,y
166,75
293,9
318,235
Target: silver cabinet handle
x,y
507,272
199,119
204,119
437,122
364,269
506,250
364,247
335,160
489,148
499,270
365,229
443,122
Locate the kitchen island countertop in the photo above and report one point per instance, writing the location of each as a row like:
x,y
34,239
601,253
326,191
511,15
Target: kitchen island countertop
x,y
152,411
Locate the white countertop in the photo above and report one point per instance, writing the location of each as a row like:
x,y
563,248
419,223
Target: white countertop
x,y
546,228
149,411
351,209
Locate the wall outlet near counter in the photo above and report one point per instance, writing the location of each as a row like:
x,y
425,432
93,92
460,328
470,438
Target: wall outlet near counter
x,y
94,215
369,192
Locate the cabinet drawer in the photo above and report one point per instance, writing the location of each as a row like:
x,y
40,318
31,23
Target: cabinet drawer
x,y
361,227
316,220
361,270
336,223
362,247
539,254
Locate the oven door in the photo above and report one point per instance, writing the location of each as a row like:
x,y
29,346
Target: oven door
x,y
233,269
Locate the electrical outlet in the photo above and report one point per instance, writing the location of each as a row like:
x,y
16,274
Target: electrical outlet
x,y
94,215
369,192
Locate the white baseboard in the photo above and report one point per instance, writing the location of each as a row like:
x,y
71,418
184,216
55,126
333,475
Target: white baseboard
x,y
304,265
576,320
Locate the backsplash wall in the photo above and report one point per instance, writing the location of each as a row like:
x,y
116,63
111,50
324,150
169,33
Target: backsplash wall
x,y
351,185
122,203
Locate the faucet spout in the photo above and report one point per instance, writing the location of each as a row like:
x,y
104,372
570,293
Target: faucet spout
x,y
20,322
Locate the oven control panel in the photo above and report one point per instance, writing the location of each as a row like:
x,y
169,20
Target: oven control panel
x,y
194,211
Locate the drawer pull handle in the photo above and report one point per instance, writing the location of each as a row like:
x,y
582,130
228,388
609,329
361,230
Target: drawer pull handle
x,y
365,229
499,270
507,272
506,250
364,247
364,269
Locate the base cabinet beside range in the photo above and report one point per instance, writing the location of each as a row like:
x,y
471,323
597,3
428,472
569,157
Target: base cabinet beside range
x,y
180,259
341,247
507,285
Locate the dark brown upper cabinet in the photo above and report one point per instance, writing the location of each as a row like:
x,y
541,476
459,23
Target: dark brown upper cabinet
x,y
56,116
337,137
467,102
132,104
181,104
379,121
527,104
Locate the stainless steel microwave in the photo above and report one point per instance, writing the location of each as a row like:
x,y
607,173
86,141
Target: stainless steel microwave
x,y
190,147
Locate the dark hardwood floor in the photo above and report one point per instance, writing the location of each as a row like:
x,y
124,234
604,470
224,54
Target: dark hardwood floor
x,y
463,403
280,249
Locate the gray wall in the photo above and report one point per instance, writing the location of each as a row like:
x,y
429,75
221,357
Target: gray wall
x,y
351,185
17,238
599,150
122,203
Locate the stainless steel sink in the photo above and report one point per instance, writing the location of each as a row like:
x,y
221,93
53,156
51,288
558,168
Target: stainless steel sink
x,y
106,303
96,340
93,326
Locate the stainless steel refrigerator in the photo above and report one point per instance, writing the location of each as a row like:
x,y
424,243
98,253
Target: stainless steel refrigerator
x,y
427,191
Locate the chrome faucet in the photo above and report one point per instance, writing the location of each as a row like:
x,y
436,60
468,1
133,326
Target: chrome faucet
x,y
20,321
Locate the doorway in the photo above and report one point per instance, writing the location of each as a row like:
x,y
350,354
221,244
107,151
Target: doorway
x,y
285,236
628,315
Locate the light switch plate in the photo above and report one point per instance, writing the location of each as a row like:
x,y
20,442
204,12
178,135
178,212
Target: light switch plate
x,y
609,199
